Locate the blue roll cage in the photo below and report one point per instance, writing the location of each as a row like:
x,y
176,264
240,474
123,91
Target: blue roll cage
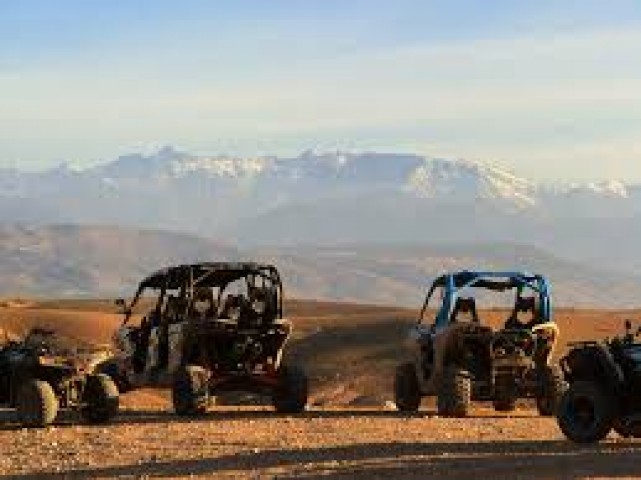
x,y
453,283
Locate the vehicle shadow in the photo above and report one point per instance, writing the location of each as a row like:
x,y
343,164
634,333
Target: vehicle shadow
x,y
8,420
509,459
160,416
163,416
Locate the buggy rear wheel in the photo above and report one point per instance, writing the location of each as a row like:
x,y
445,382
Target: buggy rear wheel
x,y
112,368
407,393
36,404
190,391
552,388
291,395
586,413
455,392
100,399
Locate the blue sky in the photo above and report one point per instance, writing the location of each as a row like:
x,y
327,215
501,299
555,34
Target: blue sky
x,y
549,88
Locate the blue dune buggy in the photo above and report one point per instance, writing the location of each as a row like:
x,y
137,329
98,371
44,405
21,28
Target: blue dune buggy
x,y
457,358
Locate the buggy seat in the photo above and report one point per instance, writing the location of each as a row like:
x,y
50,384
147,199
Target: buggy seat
x,y
465,306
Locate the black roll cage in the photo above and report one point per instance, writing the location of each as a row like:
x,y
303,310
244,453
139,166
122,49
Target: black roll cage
x,y
209,274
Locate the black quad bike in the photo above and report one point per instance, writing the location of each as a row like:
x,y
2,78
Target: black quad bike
x,y
37,381
211,328
605,389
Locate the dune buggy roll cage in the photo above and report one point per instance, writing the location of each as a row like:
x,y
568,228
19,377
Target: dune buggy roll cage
x,y
187,278
454,283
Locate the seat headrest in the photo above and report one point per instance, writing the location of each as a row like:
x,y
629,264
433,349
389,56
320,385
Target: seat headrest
x,y
465,305
525,304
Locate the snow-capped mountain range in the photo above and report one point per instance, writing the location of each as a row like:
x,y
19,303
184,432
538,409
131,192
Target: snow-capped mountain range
x,y
424,177
331,197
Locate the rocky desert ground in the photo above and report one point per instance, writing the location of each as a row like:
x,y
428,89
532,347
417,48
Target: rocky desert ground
x,y
350,430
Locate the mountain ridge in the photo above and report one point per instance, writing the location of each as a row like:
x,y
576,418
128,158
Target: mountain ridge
x,y
97,261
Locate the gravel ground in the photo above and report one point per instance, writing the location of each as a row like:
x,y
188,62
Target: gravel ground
x,y
256,443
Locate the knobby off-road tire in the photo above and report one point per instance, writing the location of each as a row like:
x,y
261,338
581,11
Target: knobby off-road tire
x,y
455,392
552,389
112,368
586,412
291,395
190,391
100,399
504,394
407,393
36,404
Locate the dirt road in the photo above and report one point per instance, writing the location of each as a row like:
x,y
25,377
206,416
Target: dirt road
x,y
251,443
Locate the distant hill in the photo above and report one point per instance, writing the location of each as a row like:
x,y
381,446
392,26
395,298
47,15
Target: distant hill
x,y
72,261
66,260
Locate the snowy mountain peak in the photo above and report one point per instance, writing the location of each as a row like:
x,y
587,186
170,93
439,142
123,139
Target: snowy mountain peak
x,y
469,180
221,166
264,182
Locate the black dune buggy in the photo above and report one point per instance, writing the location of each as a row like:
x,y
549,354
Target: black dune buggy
x,y
210,328
605,389
37,378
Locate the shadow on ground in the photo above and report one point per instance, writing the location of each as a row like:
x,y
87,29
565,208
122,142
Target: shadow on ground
x,y
8,420
510,459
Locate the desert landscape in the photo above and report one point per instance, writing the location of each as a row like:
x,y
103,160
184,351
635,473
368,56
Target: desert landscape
x,y
364,148
350,430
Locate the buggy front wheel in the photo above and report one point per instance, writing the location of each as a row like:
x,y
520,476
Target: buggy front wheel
x,y
190,391
291,394
552,386
407,393
100,399
455,392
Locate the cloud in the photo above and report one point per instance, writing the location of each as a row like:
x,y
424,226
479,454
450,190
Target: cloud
x,y
562,95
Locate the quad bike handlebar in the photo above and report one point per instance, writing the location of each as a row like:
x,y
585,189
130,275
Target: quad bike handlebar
x,y
627,338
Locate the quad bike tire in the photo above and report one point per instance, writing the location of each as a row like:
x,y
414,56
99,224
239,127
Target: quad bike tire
x,y
552,388
407,393
455,392
292,392
190,391
586,412
100,399
36,404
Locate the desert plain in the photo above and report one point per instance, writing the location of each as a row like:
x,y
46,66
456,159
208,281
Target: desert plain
x,y
350,430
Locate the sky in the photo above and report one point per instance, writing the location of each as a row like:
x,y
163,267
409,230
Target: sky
x,y
551,89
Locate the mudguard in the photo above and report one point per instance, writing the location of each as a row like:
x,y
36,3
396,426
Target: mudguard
x,y
592,362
